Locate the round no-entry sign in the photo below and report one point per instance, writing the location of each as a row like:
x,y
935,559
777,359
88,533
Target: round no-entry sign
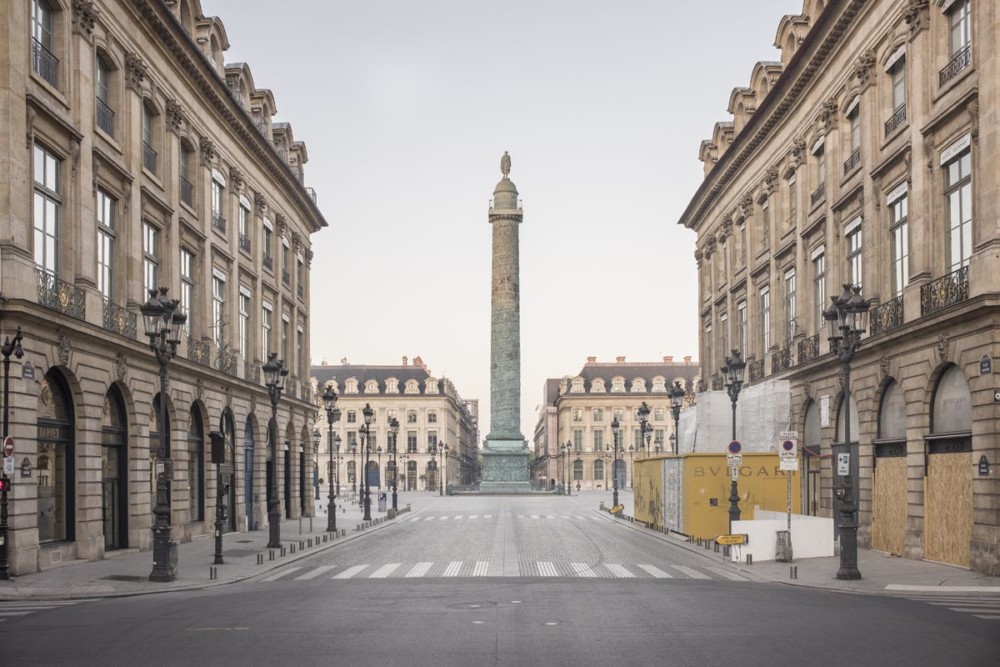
x,y
8,446
735,447
788,445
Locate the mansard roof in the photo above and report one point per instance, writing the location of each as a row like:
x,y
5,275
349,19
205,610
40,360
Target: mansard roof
x,y
363,373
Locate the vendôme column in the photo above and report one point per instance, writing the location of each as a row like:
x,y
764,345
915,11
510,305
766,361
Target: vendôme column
x,y
505,453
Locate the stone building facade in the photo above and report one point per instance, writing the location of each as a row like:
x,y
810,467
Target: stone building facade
x,y
573,436
133,157
430,412
864,156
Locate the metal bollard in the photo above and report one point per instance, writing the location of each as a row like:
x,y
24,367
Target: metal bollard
x,y
749,559
283,551
292,547
211,573
272,554
260,559
793,572
300,525
716,547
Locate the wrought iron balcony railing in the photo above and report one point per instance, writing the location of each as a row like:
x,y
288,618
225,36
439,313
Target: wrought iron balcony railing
x,y
105,118
200,352
218,222
227,360
61,296
148,157
717,384
852,161
897,118
187,191
888,315
312,194
808,349
44,63
120,320
961,60
268,261
781,360
946,291
251,371
245,245
755,370
818,195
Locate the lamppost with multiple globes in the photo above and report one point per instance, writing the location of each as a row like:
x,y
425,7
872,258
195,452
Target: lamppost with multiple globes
x,y
340,458
8,348
317,438
733,374
378,479
615,434
847,318
443,458
366,451
163,321
676,394
567,448
275,375
631,467
332,416
394,434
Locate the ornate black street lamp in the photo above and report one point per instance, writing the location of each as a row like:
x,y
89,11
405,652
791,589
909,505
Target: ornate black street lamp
x,y
631,467
332,416
366,452
394,435
317,438
733,374
405,458
378,450
354,460
336,448
442,453
615,433
567,448
275,375
848,320
9,347
218,440
676,394
163,321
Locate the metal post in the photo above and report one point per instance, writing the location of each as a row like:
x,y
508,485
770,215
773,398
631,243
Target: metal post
x,y
331,512
219,511
9,347
395,467
734,491
366,450
273,508
848,523
354,459
440,477
162,567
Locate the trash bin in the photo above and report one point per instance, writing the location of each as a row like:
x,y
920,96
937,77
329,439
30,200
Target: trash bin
x,y
381,502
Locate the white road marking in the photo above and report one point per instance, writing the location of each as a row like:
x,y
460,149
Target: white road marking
x,y
452,569
619,571
549,516
384,571
315,572
16,613
943,589
487,516
732,576
460,516
655,571
546,569
473,516
281,573
419,570
582,570
350,572
987,617
691,572
482,567
534,516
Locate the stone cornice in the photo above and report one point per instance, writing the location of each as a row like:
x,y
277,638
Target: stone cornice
x,y
216,93
805,65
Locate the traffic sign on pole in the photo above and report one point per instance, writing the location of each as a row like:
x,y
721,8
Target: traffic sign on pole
x,y
735,447
788,455
8,446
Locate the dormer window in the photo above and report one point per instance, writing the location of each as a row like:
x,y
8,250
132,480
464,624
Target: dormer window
x,y
351,386
597,386
638,385
392,386
412,387
577,387
371,387
617,384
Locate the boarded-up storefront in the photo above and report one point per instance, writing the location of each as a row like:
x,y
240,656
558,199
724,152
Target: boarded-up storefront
x,y
889,508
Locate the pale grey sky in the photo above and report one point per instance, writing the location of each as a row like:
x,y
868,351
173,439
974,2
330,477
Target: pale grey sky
x,y
406,108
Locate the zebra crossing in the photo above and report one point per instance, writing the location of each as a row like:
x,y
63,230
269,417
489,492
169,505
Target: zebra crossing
x,y
986,607
16,609
527,517
430,569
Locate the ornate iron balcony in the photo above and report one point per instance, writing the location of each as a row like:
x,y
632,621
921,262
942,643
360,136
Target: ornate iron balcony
x,y
716,382
852,161
887,315
61,296
943,292
755,369
312,194
961,60
187,191
200,352
292,386
227,360
251,371
105,118
148,157
818,195
218,222
245,243
120,320
898,118
808,349
268,261
782,360
44,63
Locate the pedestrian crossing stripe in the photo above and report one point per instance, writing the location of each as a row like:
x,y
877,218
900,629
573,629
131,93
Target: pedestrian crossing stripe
x,y
985,607
14,609
430,569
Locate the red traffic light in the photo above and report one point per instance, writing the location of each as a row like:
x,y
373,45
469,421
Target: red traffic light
x,y
4,485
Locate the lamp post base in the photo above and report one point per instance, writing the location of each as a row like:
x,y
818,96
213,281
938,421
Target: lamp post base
x,y
274,529
331,516
164,556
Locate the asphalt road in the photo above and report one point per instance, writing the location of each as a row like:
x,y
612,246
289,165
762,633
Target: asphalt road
x,y
539,582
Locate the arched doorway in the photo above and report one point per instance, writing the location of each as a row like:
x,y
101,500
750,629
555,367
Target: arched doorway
x,y
114,471
948,502
889,474
811,449
56,461
248,462
227,424
196,463
374,477
411,475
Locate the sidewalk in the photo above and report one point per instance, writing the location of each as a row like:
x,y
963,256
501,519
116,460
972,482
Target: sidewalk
x,y
127,572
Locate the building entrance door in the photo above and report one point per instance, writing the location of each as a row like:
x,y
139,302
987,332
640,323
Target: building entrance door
x,y
948,503
889,498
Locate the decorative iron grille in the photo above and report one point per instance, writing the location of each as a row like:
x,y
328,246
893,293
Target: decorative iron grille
x,y
782,360
44,63
227,360
120,320
218,222
887,315
60,295
251,371
717,383
852,161
187,191
808,349
268,262
200,352
961,60
105,118
148,157
756,370
898,118
818,194
946,291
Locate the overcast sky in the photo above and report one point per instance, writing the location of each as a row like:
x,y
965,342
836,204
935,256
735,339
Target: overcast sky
x,y
406,107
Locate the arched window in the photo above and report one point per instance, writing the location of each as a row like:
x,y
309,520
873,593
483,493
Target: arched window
x,y
577,387
811,460
892,414
952,409
114,471
56,461
618,384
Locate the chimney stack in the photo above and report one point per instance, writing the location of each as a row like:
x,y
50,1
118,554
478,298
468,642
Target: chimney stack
x,y
687,359
343,361
668,359
620,360
591,360
405,360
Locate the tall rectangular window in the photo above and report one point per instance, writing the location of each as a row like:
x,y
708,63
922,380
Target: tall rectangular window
x,y
267,245
244,225
218,220
743,244
300,351
741,314
765,223
148,145
855,119
790,313
598,440
265,330
105,114
724,332
793,202
43,61
898,230
820,167
286,327
960,26
286,263
819,290
898,74
765,318
244,332
48,204
577,440
150,257
219,308
105,244
854,267
710,342
958,204
187,287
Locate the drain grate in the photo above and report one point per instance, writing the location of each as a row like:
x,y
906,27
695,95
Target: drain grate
x,y
125,577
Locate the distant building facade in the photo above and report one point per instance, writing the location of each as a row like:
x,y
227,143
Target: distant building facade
x,y
430,412
573,436
864,156
134,158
